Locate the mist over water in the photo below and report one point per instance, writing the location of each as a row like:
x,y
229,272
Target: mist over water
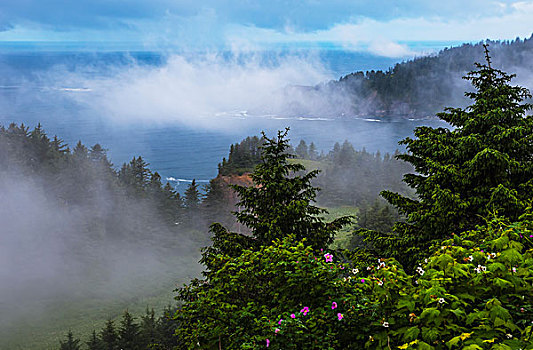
x,y
181,112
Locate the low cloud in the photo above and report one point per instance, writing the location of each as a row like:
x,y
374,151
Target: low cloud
x,y
197,91
388,48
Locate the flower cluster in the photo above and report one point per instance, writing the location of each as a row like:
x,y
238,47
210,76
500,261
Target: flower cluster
x,y
480,268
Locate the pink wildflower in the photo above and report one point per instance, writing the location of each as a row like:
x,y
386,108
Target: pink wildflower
x,y
339,316
305,310
329,257
268,342
293,316
276,330
333,306
362,280
279,322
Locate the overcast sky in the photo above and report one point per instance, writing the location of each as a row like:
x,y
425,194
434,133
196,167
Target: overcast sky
x,y
380,27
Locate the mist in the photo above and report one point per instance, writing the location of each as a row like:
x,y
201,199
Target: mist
x,y
54,259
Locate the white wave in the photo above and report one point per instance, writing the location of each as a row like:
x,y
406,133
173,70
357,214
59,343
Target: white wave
x,y
314,119
173,179
75,89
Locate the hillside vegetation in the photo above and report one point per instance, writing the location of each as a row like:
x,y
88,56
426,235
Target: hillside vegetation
x,y
425,85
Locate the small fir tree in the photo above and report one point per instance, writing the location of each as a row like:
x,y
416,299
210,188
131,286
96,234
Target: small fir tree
x,y
128,333
95,343
70,343
109,336
192,196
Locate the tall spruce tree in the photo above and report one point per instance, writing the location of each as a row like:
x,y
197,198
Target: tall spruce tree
x,y
482,166
279,204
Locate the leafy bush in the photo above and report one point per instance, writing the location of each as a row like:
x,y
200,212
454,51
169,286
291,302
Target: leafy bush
x,y
471,294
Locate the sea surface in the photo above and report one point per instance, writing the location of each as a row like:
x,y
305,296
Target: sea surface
x,y
180,151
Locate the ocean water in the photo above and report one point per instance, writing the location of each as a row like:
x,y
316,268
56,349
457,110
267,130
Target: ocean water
x,y
40,86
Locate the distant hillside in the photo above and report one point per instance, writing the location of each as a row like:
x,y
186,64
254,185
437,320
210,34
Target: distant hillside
x,y
425,85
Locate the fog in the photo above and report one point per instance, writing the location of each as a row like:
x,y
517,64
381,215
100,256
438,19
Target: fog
x,y
54,260
216,90
196,91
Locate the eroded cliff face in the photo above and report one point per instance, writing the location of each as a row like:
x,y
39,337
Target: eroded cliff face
x,y
230,196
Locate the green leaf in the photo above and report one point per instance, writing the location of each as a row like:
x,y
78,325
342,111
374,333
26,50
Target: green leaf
x,y
411,334
472,347
429,313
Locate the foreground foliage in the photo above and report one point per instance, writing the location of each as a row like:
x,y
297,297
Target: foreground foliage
x,y
474,292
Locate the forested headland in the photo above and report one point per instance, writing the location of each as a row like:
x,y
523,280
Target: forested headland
x,y
425,85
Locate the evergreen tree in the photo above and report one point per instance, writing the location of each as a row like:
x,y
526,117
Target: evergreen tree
x,y
80,152
135,174
128,333
166,329
97,153
216,202
95,343
70,343
484,165
109,336
192,196
313,154
148,329
279,204
302,150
